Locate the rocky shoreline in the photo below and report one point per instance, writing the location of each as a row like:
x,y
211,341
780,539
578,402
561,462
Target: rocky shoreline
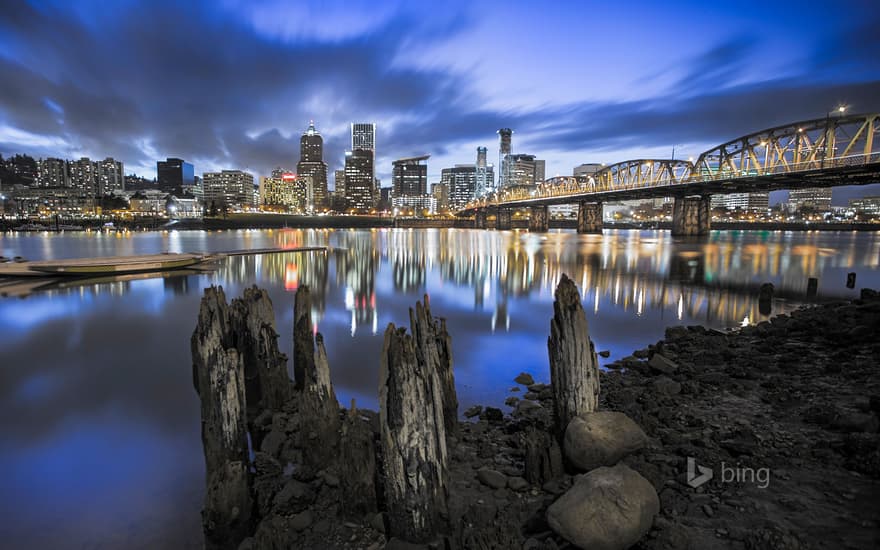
x,y
784,415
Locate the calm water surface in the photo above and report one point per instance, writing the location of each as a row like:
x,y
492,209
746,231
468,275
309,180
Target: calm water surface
x,y
100,444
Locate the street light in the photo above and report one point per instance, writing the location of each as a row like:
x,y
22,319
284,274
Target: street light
x,y
841,109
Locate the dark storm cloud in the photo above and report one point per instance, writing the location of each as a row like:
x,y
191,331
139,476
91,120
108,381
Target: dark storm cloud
x,y
140,81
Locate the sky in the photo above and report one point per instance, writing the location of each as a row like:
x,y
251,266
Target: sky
x,y
232,84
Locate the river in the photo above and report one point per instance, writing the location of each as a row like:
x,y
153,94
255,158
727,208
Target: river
x,y
100,442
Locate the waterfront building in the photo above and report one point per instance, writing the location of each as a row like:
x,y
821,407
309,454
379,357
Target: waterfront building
x,y
81,174
110,176
174,173
440,192
228,188
280,191
363,138
52,172
311,168
461,182
485,185
523,170
409,177
867,206
815,198
416,205
742,201
359,181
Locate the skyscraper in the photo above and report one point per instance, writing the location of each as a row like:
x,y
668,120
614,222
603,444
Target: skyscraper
x,y
363,138
311,168
461,183
505,138
359,179
484,184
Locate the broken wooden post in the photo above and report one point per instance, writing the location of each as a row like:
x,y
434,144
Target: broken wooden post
x,y
413,439
574,368
434,352
765,299
318,406
218,375
357,465
255,337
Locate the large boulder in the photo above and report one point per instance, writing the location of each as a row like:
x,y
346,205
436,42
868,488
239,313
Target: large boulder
x,y
606,509
601,438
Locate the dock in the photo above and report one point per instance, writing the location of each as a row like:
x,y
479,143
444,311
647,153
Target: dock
x,y
123,265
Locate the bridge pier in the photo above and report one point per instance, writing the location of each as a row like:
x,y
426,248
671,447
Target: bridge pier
x,y
480,219
589,217
503,219
539,219
690,216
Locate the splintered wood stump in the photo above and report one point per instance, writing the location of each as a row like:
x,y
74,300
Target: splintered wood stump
x,y
218,375
413,440
574,368
543,457
434,351
319,409
357,466
255,336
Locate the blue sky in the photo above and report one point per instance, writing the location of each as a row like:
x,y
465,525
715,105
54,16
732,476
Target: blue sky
x,y
233,83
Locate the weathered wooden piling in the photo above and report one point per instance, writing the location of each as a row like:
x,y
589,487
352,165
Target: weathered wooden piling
x,y
434,350
317,403
413,439
812,287
252,320
219,379
574,368
765,299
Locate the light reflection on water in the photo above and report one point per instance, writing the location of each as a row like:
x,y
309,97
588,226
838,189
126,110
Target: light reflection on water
x,y
99,419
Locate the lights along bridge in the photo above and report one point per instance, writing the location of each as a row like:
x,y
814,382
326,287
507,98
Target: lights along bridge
x,y
826,152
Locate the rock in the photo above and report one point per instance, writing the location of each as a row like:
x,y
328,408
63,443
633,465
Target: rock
x,y
517,484
511,401
398,544
493,415
676,333
301,521
331,480
666,386
605,353
525,379
272,443
601,438
606,509
471,412
662,364
492,478
856,422
293,490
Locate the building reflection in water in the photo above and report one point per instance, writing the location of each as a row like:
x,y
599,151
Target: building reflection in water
x,y
715,280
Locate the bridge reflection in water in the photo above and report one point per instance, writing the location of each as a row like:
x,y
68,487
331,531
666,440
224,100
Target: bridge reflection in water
x,y
715,282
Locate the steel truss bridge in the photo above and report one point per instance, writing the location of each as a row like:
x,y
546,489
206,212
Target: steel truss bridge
x,y
824,152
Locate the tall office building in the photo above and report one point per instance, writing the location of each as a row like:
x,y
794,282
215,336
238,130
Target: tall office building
x,y
359,181
461,183
409,177
52,172
228,188
485,185
81,174
523,170
363,138
110,176
816,198
505,147
311,168
540,170
279,190
174,173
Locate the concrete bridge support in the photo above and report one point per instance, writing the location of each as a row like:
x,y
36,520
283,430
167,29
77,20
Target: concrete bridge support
x,y
480,219
589,217
503,219
690,216
539,219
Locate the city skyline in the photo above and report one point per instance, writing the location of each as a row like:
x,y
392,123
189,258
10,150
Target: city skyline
x,y
434,84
